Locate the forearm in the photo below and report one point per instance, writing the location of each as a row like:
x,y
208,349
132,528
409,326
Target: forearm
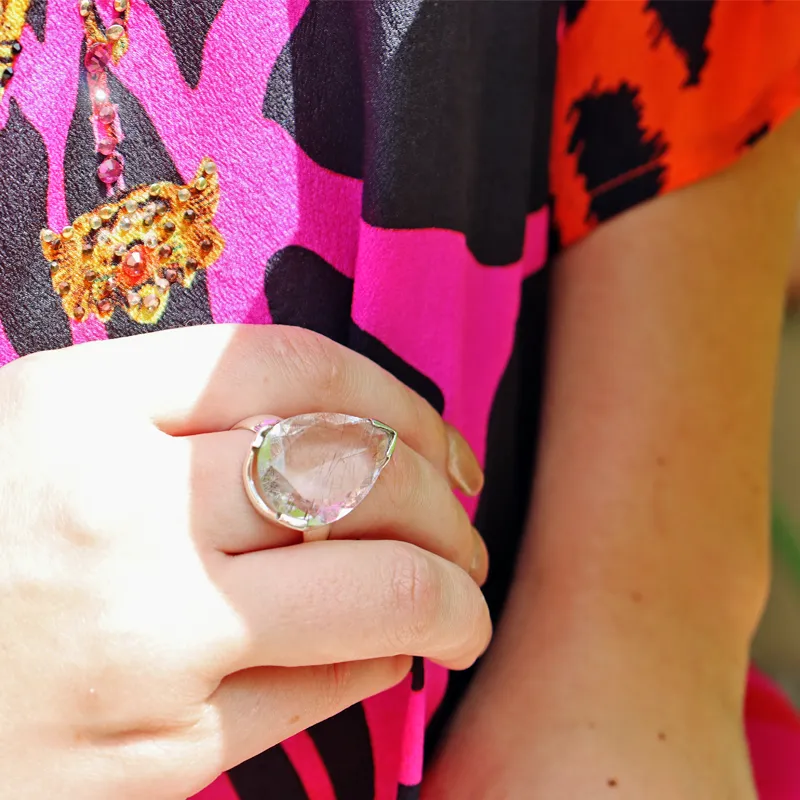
x,y
652,493
645,564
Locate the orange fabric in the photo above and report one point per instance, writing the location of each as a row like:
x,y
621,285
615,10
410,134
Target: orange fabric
x,y
626,64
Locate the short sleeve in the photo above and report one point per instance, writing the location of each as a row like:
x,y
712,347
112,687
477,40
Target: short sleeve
x,y
653,95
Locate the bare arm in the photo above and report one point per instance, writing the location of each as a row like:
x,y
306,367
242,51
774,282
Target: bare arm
x,y
645,566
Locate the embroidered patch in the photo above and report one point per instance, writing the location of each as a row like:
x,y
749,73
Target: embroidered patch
x,y
12,18
127,254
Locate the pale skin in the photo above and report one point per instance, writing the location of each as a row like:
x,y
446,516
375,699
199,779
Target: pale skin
x,y
645,565
188,640
155,629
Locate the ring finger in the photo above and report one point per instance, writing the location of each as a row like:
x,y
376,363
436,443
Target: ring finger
x,y
411,501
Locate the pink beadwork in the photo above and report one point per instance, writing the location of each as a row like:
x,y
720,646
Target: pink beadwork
x,y
101,50
96,58
110,171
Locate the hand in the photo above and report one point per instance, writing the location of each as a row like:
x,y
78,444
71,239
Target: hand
x,y
153,633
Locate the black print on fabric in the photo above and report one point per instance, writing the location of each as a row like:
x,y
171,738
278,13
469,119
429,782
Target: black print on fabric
x,y
315,92
29,308
755,136
268,776
345,746
186,23
303,289
687,25
432,104
572,10
408,792
618,158
36,16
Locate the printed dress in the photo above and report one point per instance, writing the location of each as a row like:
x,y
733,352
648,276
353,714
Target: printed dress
x,y
382,173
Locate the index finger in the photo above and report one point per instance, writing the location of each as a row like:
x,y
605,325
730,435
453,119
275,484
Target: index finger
x,y
208,378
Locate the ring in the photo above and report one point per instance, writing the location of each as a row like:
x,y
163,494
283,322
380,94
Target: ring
x,y
311,470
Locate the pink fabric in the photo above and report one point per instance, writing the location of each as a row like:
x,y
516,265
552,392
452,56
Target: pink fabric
x,y
303,754
274,195
773,731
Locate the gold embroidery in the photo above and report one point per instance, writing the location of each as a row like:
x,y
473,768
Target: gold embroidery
x,y
12,20
127,254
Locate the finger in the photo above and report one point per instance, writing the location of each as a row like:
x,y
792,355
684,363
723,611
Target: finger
x,y
256,709
334,601
208,378
410,502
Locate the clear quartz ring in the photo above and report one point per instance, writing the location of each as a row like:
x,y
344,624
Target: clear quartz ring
x,y
311,470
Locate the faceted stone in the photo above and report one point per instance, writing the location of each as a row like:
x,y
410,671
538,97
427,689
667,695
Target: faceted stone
x,y
314,469
110,170
96,58
133,265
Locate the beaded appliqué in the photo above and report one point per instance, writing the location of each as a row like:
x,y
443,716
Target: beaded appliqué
x,y
12,20
129,253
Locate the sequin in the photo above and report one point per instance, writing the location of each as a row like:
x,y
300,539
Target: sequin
x,y
96,222
200,184
210,168
115,32
184,195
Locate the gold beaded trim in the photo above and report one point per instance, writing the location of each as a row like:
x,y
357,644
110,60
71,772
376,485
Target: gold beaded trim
x,y
127,255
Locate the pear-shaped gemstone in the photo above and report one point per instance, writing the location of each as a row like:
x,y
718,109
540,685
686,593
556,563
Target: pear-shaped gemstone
x,y
314,469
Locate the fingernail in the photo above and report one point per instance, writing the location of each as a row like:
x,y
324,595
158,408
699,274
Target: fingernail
x,y
479,567
462,465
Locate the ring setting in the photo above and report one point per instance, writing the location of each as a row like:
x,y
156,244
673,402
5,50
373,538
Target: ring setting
x,y
308,471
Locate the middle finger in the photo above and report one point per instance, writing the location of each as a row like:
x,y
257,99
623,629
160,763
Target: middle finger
x,y
411,501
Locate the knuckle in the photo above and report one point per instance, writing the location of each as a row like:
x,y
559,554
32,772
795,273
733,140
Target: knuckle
x,y
336,681
431,431
415,593
405,487
312,357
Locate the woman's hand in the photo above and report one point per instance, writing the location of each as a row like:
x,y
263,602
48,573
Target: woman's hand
x,y
153,634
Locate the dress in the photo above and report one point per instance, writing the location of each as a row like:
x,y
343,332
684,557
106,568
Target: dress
x,y
395,175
